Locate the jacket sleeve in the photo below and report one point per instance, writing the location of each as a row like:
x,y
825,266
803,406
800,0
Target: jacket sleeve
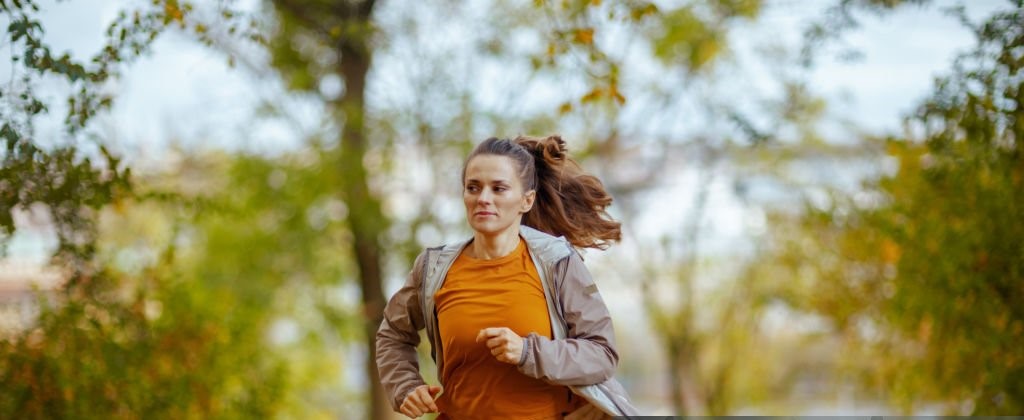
x,y
398,336
588,355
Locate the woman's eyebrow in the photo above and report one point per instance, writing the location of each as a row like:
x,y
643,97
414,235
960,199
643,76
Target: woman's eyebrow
x,y
493,181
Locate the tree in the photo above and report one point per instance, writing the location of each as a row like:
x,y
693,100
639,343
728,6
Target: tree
x,y
100,348
343,31
921,271
950,218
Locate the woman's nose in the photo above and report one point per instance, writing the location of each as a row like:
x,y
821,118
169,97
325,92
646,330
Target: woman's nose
x,y
485,196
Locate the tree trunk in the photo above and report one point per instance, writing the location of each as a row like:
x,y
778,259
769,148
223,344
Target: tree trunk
x,y
676,380
684,380
366,220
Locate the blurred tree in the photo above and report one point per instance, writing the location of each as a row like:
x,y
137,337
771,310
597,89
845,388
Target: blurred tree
x,y
711,323
55,172
922,271
319,39
60,177
100,348
255,246
950,224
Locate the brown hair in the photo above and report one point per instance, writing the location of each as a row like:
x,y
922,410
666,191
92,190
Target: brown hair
x,y
569,203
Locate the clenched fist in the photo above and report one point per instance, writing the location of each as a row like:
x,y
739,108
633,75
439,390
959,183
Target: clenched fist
x,y
505,345
420,401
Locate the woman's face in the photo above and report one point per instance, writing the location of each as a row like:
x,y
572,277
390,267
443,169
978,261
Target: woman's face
x,y
493,194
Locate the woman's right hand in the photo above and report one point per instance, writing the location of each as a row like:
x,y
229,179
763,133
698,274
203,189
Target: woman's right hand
x,y
420,401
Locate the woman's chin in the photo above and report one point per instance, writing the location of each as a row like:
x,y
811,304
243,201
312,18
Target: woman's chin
x,y
488,228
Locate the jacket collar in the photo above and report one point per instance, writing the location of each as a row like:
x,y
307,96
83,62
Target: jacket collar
x,y
547,248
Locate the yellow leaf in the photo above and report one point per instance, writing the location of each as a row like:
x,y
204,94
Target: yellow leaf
x,y
565,108
890,251
924,330
172,11
585,36
619,98
613,91
703,52
592,95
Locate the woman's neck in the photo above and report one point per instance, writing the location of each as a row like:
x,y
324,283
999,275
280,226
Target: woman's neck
x,y
489,247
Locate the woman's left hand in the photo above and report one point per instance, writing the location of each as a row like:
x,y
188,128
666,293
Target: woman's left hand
x,y
505,345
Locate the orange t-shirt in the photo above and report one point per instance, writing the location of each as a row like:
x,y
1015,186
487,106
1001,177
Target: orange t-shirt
x,y
477,294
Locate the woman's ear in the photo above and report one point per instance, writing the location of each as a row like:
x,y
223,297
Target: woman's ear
x,y
528,200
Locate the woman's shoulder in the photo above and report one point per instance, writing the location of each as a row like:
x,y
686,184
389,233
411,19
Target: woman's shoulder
x,y
436,255
548,247
424,255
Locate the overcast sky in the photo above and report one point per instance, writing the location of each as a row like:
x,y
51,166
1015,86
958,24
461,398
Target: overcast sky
x,y
183,81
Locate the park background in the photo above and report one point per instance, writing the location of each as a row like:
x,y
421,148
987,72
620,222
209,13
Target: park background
x,y
206,204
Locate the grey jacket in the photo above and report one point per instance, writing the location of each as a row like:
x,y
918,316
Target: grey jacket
x,y
581,356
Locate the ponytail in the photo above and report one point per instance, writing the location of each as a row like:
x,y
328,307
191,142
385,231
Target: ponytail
x,y
569,202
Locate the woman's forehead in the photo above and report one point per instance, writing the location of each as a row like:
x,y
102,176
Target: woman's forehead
x,y
491,167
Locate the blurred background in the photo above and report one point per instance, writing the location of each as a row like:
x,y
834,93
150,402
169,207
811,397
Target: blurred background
x,y
206,204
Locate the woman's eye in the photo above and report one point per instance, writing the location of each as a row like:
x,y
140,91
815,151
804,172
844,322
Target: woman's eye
x,y
500,189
